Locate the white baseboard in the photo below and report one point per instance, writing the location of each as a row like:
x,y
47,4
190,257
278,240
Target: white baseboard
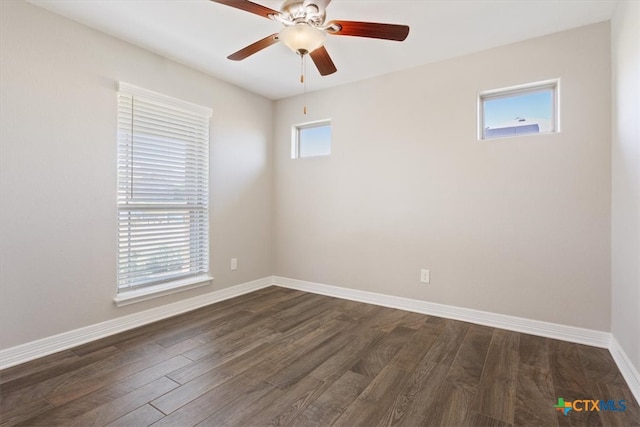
x,y
512,323
628,370
45,346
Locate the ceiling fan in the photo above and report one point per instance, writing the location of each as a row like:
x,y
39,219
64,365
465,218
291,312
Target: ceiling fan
x,y
305,30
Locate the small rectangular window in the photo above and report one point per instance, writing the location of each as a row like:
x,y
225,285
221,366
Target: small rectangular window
x,y
520,110
311,139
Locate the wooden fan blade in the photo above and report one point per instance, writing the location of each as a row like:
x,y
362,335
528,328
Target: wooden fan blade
x,y
323,61
254,47
370,29
248,6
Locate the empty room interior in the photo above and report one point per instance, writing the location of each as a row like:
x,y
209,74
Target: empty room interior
x,y
359,213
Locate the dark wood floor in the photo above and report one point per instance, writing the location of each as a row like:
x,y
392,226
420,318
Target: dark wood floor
x,y
285,357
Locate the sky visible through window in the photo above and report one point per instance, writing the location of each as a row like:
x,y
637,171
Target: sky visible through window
x,y
315,141
534,107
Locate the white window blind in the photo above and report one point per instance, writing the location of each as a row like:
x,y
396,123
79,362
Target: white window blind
x,y
163,152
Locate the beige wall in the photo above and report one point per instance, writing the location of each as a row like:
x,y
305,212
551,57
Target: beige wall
x,y
625,212
517,226
58,154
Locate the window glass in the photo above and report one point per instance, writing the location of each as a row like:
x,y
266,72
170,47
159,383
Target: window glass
x,y
312,140
518,111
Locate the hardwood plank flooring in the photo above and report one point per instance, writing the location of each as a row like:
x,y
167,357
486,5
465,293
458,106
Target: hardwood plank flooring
x,y
285,357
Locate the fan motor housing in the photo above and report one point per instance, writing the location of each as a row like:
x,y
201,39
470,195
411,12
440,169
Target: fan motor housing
x,y
297,11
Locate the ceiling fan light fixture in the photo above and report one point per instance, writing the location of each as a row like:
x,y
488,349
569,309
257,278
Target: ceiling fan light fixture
x,y
302,38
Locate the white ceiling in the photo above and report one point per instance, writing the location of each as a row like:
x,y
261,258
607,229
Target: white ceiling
x,y
201,34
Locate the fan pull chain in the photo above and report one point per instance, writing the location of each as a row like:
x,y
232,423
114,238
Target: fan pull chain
x,y
303,71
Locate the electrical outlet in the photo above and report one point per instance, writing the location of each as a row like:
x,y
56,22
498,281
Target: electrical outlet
x,y
425,276
234,264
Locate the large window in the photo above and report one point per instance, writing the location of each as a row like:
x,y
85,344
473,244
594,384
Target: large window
x,y
526,109
311,139
163,152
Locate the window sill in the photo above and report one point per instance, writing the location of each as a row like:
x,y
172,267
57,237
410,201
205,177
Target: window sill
x,y
139,295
